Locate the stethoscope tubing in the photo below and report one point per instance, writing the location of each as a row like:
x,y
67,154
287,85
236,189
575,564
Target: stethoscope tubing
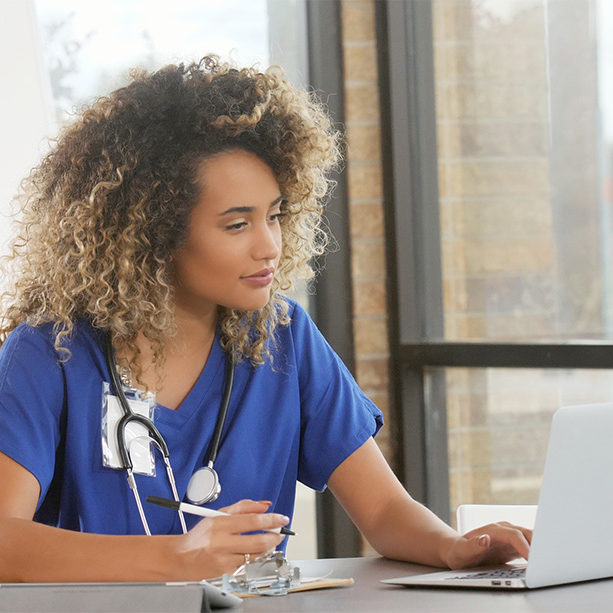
x,y
211,455
130,417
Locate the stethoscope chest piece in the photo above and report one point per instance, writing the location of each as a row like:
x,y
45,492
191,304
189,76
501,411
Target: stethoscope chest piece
x,y
203,486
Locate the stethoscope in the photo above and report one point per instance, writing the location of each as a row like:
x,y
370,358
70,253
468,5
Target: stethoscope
x,y
203,486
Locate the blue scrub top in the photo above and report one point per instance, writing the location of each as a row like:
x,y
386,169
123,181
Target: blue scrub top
x,y
296,419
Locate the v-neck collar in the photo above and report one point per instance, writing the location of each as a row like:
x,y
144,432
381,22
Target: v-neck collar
x,y
210,379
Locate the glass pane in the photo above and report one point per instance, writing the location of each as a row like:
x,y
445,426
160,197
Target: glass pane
x,y
524,103
88,51
498,423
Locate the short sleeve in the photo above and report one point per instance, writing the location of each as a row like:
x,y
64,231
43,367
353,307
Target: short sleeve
x,y
336,416
31,401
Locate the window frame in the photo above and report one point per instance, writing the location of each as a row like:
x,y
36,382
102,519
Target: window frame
x,y
332,303
407,95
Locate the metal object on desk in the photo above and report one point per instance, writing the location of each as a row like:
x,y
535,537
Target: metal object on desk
x,y
270,575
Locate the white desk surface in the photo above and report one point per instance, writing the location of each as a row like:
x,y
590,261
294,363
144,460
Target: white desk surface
x,y
367,594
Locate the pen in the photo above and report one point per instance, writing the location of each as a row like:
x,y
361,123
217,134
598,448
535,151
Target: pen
x,y
195,510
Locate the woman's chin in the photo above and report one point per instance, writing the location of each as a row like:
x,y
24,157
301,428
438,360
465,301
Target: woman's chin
x,y
249,305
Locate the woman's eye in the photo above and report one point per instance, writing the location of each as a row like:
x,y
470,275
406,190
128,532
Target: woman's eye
x,y
276,216
236,226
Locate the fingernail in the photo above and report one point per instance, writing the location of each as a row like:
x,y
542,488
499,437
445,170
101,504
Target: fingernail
x,y
484,540
284,520
268,502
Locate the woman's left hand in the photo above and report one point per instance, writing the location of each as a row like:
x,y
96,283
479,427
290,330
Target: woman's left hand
x,y
492,544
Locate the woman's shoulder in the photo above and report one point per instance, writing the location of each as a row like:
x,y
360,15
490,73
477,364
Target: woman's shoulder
x,y
26,356
296,312
41,338
301,331
28,335
297,322
29,354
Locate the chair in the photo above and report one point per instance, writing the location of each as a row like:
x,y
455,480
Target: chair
x,y
470,516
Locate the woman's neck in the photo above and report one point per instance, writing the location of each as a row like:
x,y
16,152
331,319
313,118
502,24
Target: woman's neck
x,y
186,355
193,332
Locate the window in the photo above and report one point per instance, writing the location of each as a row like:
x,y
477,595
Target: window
x,y
500,200
88,50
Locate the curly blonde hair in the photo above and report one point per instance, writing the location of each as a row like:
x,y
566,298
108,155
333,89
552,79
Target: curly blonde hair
x,y
103,213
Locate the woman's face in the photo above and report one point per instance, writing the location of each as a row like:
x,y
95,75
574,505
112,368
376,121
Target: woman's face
x,y
234,238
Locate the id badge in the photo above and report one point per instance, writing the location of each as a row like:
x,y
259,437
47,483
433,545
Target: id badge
x,y
138,443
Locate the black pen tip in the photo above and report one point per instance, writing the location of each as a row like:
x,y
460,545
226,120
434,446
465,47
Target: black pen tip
x,y
163,502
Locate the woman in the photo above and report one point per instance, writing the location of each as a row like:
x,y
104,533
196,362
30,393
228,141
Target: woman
x,y
168,220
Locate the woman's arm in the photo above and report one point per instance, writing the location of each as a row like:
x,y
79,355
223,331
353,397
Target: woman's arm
x,y
399,527
35,552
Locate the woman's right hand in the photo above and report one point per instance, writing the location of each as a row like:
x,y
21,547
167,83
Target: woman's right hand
x,y
217,545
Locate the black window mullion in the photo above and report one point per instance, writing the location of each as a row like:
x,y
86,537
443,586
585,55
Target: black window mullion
x,y
507,355
404,31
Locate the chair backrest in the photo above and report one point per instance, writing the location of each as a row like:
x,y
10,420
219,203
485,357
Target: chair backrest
x,y
470,516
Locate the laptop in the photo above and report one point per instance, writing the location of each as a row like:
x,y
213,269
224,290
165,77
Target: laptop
x,y
573,530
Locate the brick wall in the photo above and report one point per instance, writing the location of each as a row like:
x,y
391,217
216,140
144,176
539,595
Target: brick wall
x,y
365,193
363,166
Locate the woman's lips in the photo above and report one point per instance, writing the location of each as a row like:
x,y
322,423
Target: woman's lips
x,y
262,278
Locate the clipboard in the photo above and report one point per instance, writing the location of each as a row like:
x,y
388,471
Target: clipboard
x,y
318,584
129,597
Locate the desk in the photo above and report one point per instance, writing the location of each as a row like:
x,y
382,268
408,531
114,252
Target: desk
x,y
368,595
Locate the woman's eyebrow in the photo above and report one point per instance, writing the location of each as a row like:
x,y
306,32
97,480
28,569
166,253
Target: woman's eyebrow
x,y
249,209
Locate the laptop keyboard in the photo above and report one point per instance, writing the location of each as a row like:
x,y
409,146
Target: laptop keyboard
x,y
503,573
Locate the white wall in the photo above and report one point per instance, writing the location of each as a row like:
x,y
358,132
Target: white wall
x,y
25,103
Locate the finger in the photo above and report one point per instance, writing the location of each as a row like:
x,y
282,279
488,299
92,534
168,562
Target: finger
x,y
241,559
477,548
527,532
518,541
261,554
469,551
505,545
257,548
253,544
239,523
248,506
231,562
517,537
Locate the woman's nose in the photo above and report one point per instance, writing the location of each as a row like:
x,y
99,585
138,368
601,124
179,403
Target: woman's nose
x,y
267,242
